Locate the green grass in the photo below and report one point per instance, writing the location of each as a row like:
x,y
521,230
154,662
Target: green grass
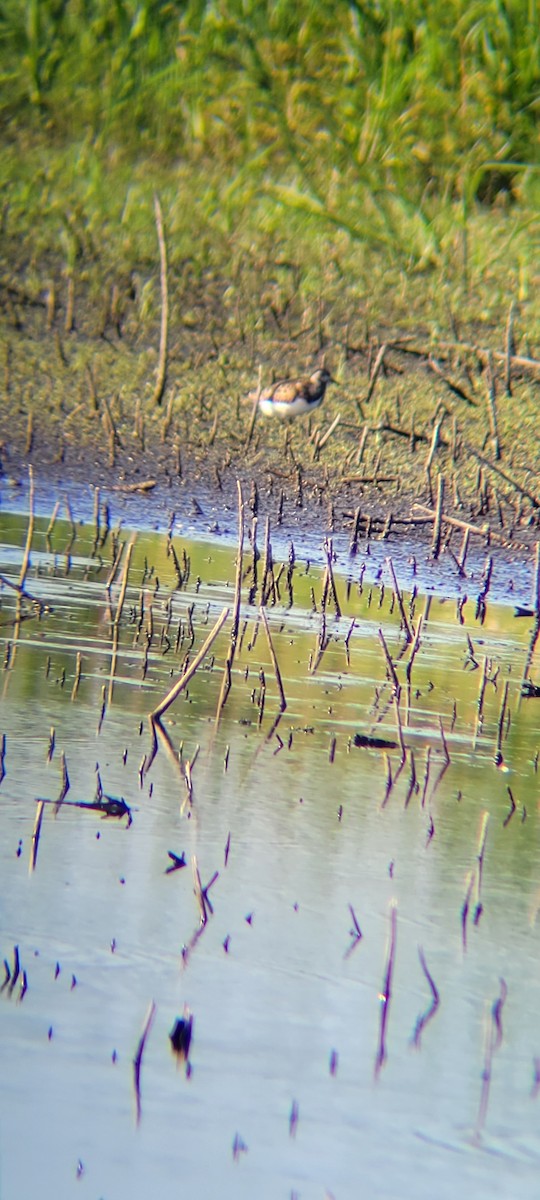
x,y
328,173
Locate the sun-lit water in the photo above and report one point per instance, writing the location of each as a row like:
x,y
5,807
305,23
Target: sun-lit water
x,y
283,1098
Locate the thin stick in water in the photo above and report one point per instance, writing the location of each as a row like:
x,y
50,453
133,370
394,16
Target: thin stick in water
x,y
275,664
137,1061
426,1016
36,835
386,993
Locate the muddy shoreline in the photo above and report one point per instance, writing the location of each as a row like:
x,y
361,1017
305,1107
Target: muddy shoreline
x,y
191,507
366,469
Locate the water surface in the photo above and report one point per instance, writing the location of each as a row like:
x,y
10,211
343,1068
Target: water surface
x,y
283,1097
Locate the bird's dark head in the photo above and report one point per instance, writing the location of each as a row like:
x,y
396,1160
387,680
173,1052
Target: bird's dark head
x,y
321,375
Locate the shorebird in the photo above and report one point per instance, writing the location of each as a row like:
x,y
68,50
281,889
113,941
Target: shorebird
x,y
291,397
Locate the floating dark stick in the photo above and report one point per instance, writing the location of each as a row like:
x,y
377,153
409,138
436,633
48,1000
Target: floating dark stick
x,y
293,1119
494,1037
2,757
36,835
355,932
365,741
137,1061
425,1017
107,806
386,994
177,862
164,325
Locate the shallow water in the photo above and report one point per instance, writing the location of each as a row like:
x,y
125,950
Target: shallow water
x,y
286,1005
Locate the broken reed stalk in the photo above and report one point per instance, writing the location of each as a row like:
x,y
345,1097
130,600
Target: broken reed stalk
x,y
536,583
509,348
36,834
50,526
482,840
30,530
437,522
434,444
400,730
181,684
199,891
329,550
77,680
534,500
386,991
255,408
118,617
326,436
226,681
277,672
268,568
399,598
164,327
492,411
500,725
137,1061
425,1017
377,368
479,530
70,304
493,1042
389,663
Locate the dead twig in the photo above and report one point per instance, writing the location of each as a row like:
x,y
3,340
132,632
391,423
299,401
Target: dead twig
x,y
164,327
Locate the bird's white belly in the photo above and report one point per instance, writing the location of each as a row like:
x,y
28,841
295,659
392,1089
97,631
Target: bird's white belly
x,y
286,409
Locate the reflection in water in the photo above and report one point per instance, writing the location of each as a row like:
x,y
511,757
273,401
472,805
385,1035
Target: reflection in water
x,y
355,935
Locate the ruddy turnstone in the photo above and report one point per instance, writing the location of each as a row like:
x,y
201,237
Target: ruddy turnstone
x,y
291,397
